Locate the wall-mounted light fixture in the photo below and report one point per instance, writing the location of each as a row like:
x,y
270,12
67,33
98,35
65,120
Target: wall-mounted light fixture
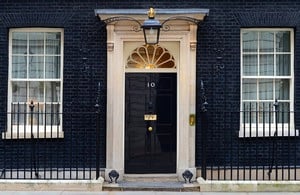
x,y
151,27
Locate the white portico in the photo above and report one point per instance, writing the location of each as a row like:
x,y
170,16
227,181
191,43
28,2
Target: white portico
x,y
179,37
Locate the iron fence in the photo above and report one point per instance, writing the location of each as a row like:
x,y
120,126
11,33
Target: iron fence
x,y
253,144
261,142
40,142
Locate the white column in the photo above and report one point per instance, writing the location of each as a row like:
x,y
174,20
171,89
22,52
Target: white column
x,y
192,108
114,131
187,103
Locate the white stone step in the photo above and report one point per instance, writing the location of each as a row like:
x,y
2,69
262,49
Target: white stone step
x,y
151,182
151,177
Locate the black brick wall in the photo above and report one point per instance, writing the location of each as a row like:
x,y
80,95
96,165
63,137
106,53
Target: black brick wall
x,y
218,59
218,65
84,67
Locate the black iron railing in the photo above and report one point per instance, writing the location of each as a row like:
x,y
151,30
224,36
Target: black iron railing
x,y
47,144
253,144
261,142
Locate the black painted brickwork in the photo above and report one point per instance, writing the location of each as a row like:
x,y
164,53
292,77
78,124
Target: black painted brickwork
x,y
84,67
218,59
218,65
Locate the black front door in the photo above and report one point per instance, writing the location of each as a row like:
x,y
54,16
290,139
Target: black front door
x,y
150,130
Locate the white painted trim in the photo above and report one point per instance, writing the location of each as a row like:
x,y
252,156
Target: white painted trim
x,y
117,38
157,70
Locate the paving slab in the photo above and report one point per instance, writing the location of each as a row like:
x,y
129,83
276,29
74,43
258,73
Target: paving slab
x,y
84,193
140,193
51,193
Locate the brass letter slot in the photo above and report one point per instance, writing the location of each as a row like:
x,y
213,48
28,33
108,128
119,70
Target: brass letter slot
x,y
150,117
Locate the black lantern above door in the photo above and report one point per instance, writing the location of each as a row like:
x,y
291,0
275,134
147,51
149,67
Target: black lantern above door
x,y
151,28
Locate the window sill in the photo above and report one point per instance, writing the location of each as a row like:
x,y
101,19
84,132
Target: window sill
x,y
266,131
37,134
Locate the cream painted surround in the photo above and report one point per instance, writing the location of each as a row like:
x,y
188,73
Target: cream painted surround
x,y
118,34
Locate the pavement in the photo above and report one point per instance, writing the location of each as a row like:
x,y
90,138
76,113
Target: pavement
x,y
140,192
94,187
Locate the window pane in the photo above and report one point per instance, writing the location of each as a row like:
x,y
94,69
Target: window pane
x,y
52,114
283,65
266,89
250,42
36,43
150,57
53,43
19,43
36,91
19,91
18,116
52,67
19,67
250,65
266,67
36,67
249,89
249,112
266,112
52,91
37,117
282,89
262,112
283,112
266,43
283,41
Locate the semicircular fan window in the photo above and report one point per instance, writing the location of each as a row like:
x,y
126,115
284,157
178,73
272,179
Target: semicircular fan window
x,y
150,57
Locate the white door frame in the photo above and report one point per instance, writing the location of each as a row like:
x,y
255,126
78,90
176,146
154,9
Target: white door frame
x,y
120,32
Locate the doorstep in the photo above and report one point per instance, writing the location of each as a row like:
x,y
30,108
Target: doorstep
x,y
151,182
151,186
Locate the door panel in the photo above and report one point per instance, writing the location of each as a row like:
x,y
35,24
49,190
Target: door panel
x,y
150,129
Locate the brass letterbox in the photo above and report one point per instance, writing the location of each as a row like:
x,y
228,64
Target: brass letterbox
x,y
150,117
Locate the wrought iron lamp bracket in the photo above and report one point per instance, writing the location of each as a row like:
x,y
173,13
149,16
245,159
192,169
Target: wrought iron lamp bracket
x,y
124,18
165,27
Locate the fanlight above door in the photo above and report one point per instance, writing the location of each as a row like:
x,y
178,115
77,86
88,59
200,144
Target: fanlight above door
x,y
150,57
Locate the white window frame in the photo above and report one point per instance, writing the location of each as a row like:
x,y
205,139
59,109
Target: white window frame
x,y
38,131
268,129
